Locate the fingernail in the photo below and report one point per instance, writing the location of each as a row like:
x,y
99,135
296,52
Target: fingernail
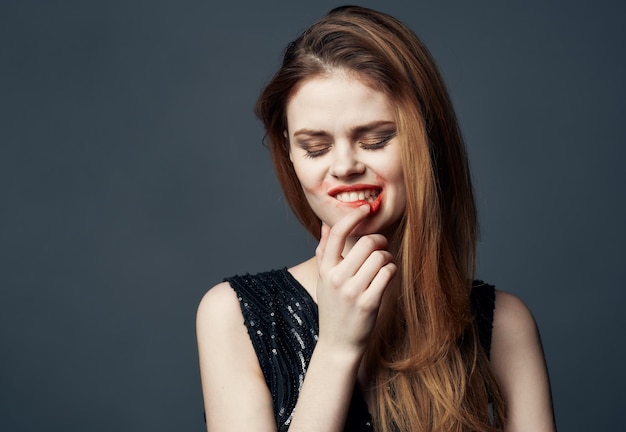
x,y
365,207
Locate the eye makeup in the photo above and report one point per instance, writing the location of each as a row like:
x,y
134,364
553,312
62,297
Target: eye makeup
x,y
372,136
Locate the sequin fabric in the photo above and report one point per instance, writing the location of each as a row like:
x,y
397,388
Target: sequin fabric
x,y
282,321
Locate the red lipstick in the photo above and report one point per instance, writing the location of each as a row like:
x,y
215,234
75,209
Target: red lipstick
x,y
345,194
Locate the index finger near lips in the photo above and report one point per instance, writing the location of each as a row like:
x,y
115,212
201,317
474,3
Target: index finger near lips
x,y
338,234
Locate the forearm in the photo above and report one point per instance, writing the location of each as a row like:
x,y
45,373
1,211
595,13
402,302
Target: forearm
x,y
326,391
350,284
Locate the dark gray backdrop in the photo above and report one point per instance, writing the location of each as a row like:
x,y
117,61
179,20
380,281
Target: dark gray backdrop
x,y
132,178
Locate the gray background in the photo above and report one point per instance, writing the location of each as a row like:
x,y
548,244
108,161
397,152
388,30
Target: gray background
x,y
132,178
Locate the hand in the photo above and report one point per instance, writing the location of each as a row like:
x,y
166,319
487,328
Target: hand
x,y
350,288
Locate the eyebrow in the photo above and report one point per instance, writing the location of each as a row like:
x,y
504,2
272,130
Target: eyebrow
x,y
355,131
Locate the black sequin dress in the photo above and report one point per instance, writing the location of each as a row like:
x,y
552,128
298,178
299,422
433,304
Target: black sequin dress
x,y
282,321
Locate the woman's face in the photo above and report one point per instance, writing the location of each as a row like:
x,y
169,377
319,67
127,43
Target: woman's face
x,y
344,148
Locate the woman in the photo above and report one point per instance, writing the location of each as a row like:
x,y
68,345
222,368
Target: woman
x,y
384,328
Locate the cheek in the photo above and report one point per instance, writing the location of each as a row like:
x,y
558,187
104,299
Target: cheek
x,y
309,181
397,175
301,176
302,169
392,176
314,188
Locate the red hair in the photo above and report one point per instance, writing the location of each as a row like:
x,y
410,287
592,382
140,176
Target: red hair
x,y
429,371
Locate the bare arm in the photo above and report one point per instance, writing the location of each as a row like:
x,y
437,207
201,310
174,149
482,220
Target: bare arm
x,y
518,362
236,397
349,292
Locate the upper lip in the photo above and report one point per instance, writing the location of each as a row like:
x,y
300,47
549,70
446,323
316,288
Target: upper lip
x,y
352,188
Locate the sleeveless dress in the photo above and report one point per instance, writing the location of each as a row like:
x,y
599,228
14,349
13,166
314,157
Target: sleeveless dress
x,y
282,321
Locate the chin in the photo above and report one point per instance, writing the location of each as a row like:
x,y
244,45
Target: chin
x,y
371,227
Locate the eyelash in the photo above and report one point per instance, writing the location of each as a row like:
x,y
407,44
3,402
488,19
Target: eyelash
x,y
379,144
375,146
313,154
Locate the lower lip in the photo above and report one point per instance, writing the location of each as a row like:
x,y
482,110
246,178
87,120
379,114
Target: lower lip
x,y
374,205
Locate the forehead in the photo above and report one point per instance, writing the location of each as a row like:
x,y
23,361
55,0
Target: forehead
x,y
335,101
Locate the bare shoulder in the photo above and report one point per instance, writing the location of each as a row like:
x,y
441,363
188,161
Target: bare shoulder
x,y
235,394
515,335
512,319
219,306
221,330
518,364
220,327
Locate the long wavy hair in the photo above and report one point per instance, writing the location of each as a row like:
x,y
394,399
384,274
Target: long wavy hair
x,y
428,369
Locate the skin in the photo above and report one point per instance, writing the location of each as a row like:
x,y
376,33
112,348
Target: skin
x,y
342,135
347,277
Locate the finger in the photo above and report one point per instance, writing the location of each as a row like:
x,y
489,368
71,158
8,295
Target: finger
x,y
372,296
360,252
370,268
319,251
340,232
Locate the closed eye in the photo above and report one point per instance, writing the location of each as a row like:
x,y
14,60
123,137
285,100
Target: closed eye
x,y
315,153
378,142
314,150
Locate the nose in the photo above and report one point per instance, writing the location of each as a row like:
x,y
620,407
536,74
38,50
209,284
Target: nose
x,y
345,162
